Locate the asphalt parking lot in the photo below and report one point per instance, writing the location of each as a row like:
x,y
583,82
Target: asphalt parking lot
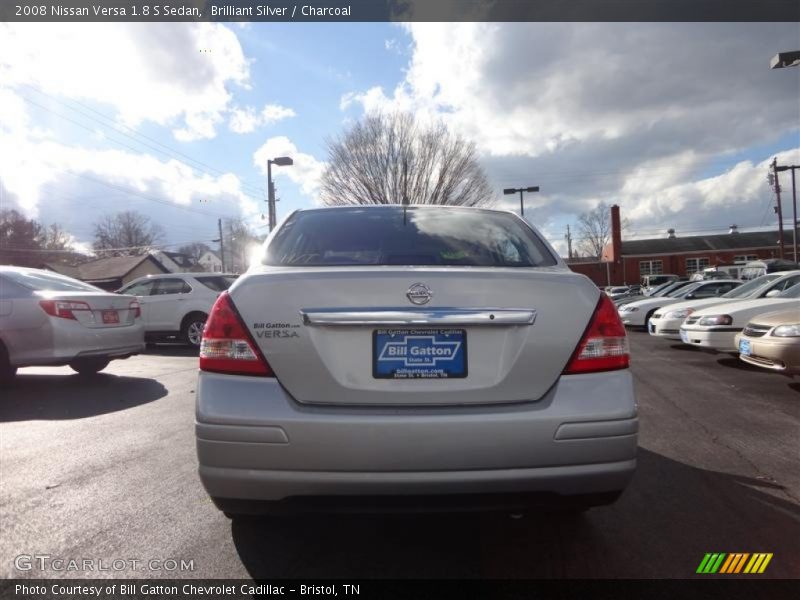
x,y
106,470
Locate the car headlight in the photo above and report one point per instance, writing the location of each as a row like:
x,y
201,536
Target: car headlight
x,y
628,309
679,314
715,320
787,330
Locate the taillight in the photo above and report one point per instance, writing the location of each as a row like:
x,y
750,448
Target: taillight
x,y
604,345
136,308
63,309
227,347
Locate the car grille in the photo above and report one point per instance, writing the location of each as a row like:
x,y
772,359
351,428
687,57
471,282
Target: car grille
x,y
755,330
691,320
670,331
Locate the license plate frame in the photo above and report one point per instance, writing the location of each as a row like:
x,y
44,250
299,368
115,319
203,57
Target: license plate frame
x,y
452,364
110,317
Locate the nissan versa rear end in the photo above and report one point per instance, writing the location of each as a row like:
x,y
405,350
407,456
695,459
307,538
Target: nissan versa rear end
x,y
385,357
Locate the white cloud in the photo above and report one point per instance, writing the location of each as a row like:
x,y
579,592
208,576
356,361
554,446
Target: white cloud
x,y
635,114
31,164
147,72
247,120
306,171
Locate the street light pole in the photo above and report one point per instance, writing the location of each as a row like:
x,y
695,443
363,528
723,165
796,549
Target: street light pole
x,y
792,168
281,161
507,191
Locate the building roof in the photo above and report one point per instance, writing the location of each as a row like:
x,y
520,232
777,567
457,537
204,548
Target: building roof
x,y
105,269
702,243
179,258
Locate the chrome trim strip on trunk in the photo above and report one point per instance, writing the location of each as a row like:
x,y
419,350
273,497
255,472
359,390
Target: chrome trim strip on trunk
x,y
405,316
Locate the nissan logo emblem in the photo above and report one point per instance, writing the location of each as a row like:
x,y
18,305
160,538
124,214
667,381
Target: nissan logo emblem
x,y
419,293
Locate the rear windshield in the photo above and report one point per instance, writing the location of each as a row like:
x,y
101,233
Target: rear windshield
x,y
47,282
217,283
424,236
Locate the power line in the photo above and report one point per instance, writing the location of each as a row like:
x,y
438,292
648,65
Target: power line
x,y
168,151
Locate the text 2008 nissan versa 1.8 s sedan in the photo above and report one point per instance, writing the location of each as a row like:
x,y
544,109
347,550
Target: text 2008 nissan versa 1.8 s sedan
x,y
427,358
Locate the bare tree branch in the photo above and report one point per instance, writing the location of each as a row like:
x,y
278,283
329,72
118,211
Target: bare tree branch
x,y
126,233
392,159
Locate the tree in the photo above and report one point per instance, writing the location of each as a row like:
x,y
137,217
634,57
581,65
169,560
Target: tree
x,y
194,250
239,242
393,159
594,231
126,233
20,239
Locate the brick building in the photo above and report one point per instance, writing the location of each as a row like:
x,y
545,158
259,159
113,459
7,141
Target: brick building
x,y
625,262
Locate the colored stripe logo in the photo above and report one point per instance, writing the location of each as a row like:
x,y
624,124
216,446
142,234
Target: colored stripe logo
x,y
734,563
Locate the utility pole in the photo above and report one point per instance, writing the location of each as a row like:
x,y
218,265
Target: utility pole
x,y
569,242
778,207
221,245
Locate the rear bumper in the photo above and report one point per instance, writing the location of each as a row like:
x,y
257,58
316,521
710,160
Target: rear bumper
x,y
255,443
61,344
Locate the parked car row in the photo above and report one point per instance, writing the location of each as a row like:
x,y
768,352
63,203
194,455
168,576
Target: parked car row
x,y
759,320
48,319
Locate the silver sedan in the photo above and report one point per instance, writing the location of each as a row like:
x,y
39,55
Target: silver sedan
x,y
413,358
49,319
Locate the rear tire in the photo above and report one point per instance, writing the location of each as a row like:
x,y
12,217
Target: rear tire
x,y
89,366
192,329
7,370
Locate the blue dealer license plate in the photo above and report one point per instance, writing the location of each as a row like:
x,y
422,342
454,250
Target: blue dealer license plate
x,y
744,347
419,353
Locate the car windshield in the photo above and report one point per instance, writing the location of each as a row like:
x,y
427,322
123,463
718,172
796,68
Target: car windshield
x,y
672,287
684,289
664,287
390,235
792,292
49,282
751,287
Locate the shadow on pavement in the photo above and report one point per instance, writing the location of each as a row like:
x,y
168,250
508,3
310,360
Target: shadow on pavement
x,y
671,515
795,386
171,350
734,363
53,397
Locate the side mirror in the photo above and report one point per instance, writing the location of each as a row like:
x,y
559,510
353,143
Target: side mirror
x,y
773,293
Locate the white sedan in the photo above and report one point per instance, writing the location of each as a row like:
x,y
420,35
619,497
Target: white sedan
x,y
715,328
637,314
667,323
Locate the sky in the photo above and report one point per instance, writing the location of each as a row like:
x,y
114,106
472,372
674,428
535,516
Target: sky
x,y
674,122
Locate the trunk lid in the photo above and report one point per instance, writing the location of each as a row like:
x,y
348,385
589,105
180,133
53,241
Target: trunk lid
x,y
316,327
106,310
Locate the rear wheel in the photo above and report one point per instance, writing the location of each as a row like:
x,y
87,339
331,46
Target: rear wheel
x,y
89,366
7,371
192,330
